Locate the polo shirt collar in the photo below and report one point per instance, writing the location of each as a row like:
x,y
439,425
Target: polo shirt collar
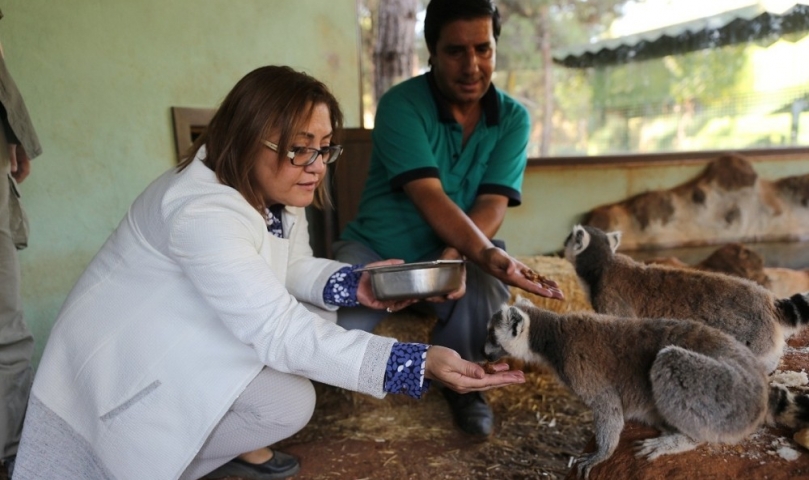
x,y
489,102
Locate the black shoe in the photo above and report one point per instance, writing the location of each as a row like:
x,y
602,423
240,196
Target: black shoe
x,y
470,411
279,466
8,462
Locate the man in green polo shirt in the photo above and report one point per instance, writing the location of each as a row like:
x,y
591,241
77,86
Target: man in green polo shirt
x,y
449,152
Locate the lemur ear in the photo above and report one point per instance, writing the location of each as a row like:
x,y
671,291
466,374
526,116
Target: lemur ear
x,y
614,239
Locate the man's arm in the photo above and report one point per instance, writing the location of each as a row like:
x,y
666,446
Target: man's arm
x,y
470,235
488,213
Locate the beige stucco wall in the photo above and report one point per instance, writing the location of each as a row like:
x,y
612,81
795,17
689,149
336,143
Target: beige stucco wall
x,y
99,79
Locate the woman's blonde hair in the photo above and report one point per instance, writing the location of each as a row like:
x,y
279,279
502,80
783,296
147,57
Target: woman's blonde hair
x,y
268,99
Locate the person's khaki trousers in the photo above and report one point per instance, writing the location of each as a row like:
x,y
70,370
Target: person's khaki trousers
x,y
16,342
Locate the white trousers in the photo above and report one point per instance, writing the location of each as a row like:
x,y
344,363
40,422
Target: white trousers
x,y
273,406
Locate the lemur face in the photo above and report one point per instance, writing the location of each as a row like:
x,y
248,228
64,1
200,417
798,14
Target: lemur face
x,y
580,238
576,242
506,334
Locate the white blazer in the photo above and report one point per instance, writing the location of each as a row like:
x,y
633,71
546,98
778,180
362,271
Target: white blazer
x,y
183,305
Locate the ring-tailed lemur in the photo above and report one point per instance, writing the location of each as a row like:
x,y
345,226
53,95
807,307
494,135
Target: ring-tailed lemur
x,y
618,285
693,382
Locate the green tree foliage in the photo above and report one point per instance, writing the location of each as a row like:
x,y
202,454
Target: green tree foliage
x,y
679,101
532,29
677,93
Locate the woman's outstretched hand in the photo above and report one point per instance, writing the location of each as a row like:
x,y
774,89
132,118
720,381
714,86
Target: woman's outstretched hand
x,y
446,366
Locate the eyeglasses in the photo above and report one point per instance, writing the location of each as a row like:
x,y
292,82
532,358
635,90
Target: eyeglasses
x,y
303,156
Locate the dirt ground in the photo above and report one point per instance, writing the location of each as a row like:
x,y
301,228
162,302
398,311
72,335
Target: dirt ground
x,y
539,425
539,428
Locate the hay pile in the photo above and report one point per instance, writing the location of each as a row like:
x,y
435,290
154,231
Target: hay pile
x,y
407,326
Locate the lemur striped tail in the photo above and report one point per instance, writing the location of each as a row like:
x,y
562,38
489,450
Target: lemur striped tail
x,y
787,409
793,311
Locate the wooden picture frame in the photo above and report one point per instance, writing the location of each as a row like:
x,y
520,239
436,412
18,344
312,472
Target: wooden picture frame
x,y
189,123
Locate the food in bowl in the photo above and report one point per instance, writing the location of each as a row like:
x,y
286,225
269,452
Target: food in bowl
x,y
416,280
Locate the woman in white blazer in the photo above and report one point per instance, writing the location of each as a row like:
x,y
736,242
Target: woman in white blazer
x,y
184,346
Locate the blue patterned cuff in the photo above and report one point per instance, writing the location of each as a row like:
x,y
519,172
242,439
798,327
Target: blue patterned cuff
x,y
274,224
405,370
341,289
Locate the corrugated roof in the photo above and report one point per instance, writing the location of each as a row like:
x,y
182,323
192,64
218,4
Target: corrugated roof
x,y
743,24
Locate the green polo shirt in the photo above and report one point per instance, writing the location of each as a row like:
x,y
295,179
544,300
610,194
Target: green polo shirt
x,y
415,136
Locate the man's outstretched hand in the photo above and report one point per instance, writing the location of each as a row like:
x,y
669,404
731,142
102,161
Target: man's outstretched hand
x,y
513,272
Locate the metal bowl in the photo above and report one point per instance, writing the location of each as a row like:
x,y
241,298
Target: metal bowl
x,y
416,280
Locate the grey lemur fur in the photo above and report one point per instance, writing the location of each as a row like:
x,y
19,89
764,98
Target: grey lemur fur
x,y
618,285
693,382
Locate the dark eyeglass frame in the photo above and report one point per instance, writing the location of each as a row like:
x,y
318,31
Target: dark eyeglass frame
x,y
330,153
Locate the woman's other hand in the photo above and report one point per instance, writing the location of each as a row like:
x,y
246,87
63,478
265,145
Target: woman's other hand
x,y
365,293
446,366
450,253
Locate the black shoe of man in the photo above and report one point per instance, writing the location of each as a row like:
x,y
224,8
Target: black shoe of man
x,y
471,412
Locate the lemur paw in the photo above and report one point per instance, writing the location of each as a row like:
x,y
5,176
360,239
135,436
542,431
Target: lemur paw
x,y
647,449
653,448
585,463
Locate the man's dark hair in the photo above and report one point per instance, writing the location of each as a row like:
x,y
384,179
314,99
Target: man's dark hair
x,y
442,12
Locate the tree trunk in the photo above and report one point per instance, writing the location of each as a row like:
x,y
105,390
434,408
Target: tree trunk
x,y
393,49
547,80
